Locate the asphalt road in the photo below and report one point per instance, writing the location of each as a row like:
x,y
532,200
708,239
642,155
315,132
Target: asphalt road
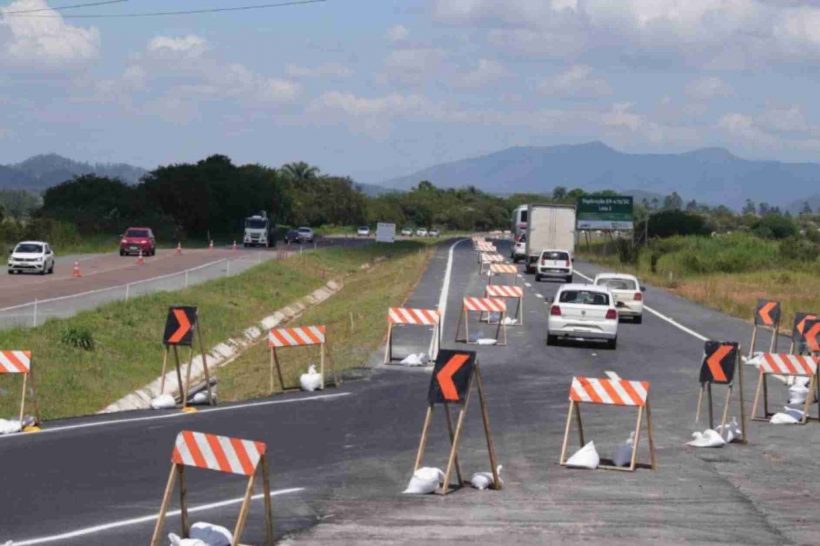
x,y
349,451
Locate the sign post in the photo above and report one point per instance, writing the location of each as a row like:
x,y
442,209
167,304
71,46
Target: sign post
x,y
181,324
767,315
720,360
606,213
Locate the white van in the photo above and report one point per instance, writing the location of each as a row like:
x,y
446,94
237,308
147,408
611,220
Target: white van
x,y
519,221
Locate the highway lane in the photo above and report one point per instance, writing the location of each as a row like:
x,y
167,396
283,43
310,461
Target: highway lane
x,y
353,454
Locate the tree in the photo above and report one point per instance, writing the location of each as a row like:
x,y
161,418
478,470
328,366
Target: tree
x,y
692,206
667,223
775,226
673,201
806,210
300,171
559,192
749,207
93,203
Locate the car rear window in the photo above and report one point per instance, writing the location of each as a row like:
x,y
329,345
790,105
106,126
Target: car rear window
x,y
136,233
588,297
618,284
555,256
29,248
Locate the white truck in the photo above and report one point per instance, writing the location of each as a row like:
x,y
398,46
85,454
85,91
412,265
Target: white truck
x,y
549,227
257,230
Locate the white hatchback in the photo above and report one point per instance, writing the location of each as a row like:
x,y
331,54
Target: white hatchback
x,y
31,257
554,264
583,311
627,292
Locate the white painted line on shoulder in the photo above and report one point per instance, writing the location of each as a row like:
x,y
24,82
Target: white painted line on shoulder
x,y
445,288
174,415
537,295
528,285
144,519
661,316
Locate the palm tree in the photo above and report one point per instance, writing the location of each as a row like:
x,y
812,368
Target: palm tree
x,y
300,171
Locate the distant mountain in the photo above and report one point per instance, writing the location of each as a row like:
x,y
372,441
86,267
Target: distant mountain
x,y
372,190
709,175
795,207
43,171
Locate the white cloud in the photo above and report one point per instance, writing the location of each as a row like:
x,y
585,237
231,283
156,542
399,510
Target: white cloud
x,y
486,72
44,42
330,70
186,47
744,128
412,66
621,116
578,82
788,119
397,33
372,116
708,88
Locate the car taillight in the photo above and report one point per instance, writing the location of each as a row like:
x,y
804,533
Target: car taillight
x,y
611,314
555,311
124,241
638,296
567,262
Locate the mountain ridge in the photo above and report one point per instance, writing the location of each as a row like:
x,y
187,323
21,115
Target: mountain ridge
x,y
42,171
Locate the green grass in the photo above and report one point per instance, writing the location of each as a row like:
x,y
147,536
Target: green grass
x,y
127,349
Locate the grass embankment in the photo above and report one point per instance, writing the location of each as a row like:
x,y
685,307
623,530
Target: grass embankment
x,y
727,272
127,349
355,321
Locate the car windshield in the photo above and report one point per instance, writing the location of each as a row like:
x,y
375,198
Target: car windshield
x,y
136,233
304,229
617,284
255,223
555,256
29,248
587,297
363,228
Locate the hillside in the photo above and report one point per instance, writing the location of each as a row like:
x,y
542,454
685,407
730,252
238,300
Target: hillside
x,y
42,171
710,175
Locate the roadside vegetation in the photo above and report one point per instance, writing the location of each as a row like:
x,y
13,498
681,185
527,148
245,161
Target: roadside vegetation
x,y
85,362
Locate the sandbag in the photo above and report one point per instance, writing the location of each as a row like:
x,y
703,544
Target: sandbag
x,y
789,416
200,398
623,452
487,341
425,480
415,359
10,426
163,401
707,438
799,391
732,433
204,534
508,321
483,480
311,380
586,457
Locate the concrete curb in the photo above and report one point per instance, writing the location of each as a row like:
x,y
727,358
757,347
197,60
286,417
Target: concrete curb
x,y
222,353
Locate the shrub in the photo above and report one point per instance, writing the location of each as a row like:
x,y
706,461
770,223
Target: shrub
x,y
78,337
799,249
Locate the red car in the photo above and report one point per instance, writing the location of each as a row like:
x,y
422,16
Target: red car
x,y
138,238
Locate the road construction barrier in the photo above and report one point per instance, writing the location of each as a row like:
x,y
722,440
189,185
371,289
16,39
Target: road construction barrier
x,y
181,327
421,317
799,343
485,246
487,259
767,316
811,336
300,336
75,271
482,305
718,367
610,392
451,383
508,292
787,365
20,363
504,269
221,454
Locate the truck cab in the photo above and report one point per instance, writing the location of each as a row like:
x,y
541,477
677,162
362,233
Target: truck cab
x,y
257,230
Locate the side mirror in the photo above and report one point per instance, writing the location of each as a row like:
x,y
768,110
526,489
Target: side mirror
x,y
643,288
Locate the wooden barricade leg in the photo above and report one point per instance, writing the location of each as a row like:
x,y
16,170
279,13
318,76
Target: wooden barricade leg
x,y
243,511
268,503
188,371
635,440
520,311
449,420
163,508
807,403
388,347
753,342
322,365
743,429
760,381
423,441
773,344
700,402
649,436
183,506
35,399
580,424
23,397
198,332
458,327
456,438
725,411
164,370
563,458
711,406
275,357
485,417
182,392
765,396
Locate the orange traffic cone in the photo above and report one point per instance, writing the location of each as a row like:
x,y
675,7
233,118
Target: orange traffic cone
x,y
140,259
179,249
234,245
75,272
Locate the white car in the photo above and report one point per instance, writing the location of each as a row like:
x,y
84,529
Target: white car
x,y
421,232
554,263
627,292
583,311
434,233
363,231
519,249
407,232
305,234
31,257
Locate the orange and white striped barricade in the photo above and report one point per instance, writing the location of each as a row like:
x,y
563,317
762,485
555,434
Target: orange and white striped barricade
x,y
454,374
718,367
503,269
487,259
409,316
299,336
181,326
786,365
799,343
219,454
20,363
610,392
482,305
767,316
508,292
485,247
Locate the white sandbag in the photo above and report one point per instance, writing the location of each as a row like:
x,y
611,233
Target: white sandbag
x,y
204,534
753,360
509,321
799,391
163,401
586,457
487,341
789,416
483,480
10,426
623,452
732,433
707,438
176,540
199,398
311,380
425,480
415,359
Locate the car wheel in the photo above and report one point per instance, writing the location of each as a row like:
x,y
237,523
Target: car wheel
x,y
612,344
11,272
51,269
43,271
537,277
551,339
639,319
569,279
122,253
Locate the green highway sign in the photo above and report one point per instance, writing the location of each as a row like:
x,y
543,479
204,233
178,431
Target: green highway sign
x,y
605,212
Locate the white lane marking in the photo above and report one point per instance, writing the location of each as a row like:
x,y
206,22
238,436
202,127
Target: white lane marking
x,y
528,285
661,316
537,295
175,415
445,289
146,519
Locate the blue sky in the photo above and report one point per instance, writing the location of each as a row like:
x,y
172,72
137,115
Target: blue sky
x,y
380,88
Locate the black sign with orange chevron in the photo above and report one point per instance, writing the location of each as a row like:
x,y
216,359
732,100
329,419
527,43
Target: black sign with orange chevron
x,y
767,313
799,326
719,360
811,335
451,376
179,326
